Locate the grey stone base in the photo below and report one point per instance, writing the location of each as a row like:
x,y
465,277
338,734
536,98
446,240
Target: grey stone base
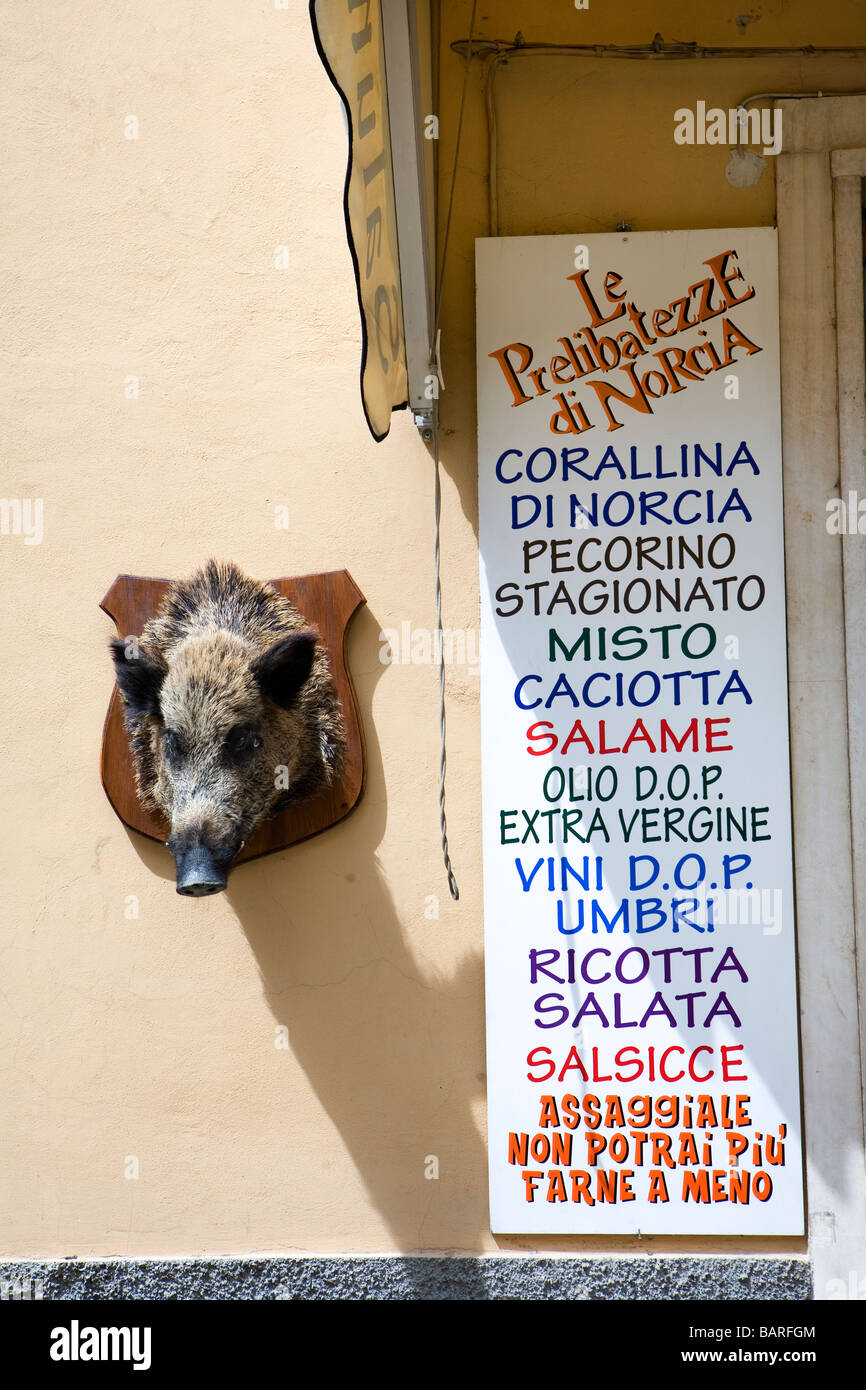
x,y
401,1278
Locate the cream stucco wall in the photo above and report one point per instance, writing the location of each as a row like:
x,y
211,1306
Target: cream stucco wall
x,y
154,1037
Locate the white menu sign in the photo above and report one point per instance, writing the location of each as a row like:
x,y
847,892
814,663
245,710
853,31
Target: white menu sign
x,y
639,918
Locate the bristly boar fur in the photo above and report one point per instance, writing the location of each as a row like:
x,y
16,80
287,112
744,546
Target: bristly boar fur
x,y
231,711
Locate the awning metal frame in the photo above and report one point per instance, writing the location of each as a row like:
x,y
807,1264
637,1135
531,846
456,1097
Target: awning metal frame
x,y
413,215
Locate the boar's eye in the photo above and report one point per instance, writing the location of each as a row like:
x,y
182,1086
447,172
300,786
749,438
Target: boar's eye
x,y
241,742
174,746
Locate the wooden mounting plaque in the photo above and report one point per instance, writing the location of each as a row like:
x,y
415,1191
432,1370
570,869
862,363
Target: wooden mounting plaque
x,y
327,602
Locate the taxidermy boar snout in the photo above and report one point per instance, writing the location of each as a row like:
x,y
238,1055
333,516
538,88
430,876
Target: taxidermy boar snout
x,y
232,716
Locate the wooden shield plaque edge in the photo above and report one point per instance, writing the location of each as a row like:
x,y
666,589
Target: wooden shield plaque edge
x,y
298,823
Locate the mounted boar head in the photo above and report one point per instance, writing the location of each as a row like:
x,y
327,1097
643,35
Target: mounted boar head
x,y
232,716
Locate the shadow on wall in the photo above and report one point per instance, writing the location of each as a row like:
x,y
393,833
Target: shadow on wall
x,y
392,1050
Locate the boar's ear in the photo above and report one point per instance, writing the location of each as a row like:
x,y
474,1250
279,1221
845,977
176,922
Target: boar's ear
x,y
139,680
283,669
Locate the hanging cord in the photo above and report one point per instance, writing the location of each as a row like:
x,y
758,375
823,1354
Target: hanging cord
x,y
437,494
446,234
437,486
